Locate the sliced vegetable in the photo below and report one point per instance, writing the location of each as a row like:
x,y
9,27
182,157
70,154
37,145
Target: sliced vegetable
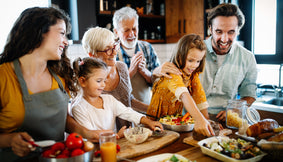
x,y
185,116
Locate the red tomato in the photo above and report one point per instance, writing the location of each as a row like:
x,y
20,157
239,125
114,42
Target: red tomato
x,y
77,152
58,146
48,153
97,153
62,156
74,141
118,148
66,152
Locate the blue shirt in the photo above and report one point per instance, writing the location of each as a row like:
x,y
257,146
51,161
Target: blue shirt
x,y
236,75
150,55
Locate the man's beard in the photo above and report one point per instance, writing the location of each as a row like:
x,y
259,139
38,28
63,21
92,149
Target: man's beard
x,y
130,44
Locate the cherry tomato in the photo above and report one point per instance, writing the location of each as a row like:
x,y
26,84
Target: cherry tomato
x,y
66,152
48,153
74,141
118,148
97,153
58,146
77,152
62,156
88,146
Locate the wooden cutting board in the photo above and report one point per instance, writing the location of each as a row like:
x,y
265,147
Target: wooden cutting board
x,y
130,150
190,140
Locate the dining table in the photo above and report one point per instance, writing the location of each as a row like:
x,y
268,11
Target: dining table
x,y
190,150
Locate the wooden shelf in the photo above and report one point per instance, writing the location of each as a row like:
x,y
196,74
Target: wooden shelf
x,y
105,12
154,40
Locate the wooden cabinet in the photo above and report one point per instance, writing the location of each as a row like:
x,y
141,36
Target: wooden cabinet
x,y
183,17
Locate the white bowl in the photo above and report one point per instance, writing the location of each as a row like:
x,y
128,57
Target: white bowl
x,y
134,136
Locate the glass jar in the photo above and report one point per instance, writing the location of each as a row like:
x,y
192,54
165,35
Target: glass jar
x,y
235,113
240,116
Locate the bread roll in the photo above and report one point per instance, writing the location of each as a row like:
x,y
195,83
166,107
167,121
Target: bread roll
x,y
276,138
265,125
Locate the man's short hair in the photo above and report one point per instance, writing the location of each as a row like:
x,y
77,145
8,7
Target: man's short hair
x,y
226,9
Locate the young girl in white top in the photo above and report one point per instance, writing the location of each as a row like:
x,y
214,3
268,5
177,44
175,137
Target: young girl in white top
x,y
97,111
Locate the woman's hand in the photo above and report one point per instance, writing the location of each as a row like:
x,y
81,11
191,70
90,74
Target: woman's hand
x,y
203,127
165,69
20,145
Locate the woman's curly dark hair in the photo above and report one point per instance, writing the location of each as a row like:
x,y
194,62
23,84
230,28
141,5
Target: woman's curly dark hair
x,y
27,34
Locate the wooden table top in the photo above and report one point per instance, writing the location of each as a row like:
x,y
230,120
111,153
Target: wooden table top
x,y
188,151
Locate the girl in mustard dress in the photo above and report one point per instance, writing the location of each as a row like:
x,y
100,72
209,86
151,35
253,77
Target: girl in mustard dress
x,y
170,95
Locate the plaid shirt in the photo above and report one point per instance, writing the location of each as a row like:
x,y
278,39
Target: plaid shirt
x,y
152,60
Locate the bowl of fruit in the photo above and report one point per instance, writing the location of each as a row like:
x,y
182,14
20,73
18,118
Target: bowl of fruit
x,y
74,149
178,122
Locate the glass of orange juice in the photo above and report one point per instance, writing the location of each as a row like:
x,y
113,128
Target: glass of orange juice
x,y
107,143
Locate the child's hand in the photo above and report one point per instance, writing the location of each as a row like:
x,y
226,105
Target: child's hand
x,y
120,134
151,124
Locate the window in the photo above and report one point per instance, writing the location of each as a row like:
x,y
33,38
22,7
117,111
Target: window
x,y
10,11
264,42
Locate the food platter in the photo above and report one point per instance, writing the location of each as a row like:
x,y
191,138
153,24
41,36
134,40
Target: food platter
x,y
162,157
221,156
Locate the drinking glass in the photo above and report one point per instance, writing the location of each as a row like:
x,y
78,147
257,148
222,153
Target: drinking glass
x,y
107,143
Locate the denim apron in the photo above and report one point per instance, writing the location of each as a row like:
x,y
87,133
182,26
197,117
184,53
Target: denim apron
x,y
45,114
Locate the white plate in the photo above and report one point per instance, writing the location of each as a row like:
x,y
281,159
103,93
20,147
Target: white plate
x,y
270,145
160,157
222,157
252,139
45,143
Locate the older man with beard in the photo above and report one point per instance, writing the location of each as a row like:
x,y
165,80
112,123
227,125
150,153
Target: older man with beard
x,y
138,55
230,69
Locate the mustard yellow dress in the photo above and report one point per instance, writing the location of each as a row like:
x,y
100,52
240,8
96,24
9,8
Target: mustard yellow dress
x,y
166,94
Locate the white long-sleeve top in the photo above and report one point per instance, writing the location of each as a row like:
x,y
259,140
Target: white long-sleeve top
x,y
104,119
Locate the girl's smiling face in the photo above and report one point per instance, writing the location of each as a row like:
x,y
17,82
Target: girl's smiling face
x,y
94,85
193,60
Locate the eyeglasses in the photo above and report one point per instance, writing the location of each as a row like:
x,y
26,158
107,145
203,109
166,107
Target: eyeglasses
x,y
110,51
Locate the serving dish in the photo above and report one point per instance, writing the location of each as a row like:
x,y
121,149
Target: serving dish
x,y
179,128
178,122
163,157
86,157
270,145
223,157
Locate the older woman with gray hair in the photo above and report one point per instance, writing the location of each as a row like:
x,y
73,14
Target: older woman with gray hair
x,y
101,43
